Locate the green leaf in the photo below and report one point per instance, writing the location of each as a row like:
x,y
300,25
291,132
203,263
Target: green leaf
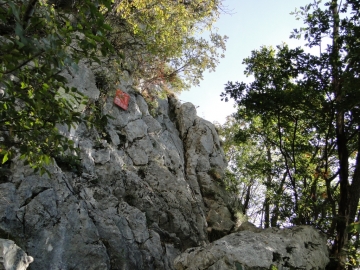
x,y
14,10
45,86
5,158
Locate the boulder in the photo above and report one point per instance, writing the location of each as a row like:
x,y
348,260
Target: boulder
x,y
299,247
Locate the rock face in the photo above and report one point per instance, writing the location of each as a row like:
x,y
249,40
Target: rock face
x,y
294,248
146,188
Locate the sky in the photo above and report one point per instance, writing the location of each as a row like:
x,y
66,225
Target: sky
x,y
249,25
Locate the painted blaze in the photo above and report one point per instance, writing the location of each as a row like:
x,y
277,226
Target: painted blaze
x,y
121,99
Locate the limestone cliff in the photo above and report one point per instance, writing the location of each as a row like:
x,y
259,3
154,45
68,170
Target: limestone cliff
x,y
147,188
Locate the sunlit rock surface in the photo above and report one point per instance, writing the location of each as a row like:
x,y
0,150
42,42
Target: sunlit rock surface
x,y
293,248
147,187
12,257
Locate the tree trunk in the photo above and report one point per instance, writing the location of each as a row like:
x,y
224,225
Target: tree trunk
x,y
247,199
354,193
276,211
341,140
267,196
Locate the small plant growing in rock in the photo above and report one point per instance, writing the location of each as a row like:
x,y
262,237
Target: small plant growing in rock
x,y
98,144
69,162
214,173
231,182
152,103
240,218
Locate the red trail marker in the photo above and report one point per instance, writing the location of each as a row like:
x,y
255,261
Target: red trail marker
x,y
121,99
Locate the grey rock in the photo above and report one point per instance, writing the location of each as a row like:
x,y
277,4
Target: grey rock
x,y
219,219
205,164
143,107
13,257
153,125
83,80
294,248
186,116
113,135
67,131
163,107
135,129
125,80
86,150
140,150
248,226
101,156
137,222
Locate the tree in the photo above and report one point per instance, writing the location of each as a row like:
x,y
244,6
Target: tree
x,y
312,101
163,40
248,166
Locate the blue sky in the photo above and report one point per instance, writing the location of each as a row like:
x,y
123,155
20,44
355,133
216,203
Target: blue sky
x,y
250,25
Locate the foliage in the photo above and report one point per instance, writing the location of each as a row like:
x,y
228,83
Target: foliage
x,y
216,175
69,162
39,41
159,36
247,163
304,109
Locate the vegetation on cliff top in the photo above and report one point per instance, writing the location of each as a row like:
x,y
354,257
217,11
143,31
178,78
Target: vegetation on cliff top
x,y
40,39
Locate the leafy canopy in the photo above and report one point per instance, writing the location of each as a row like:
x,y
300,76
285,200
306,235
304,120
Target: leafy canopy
x,y
164,40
